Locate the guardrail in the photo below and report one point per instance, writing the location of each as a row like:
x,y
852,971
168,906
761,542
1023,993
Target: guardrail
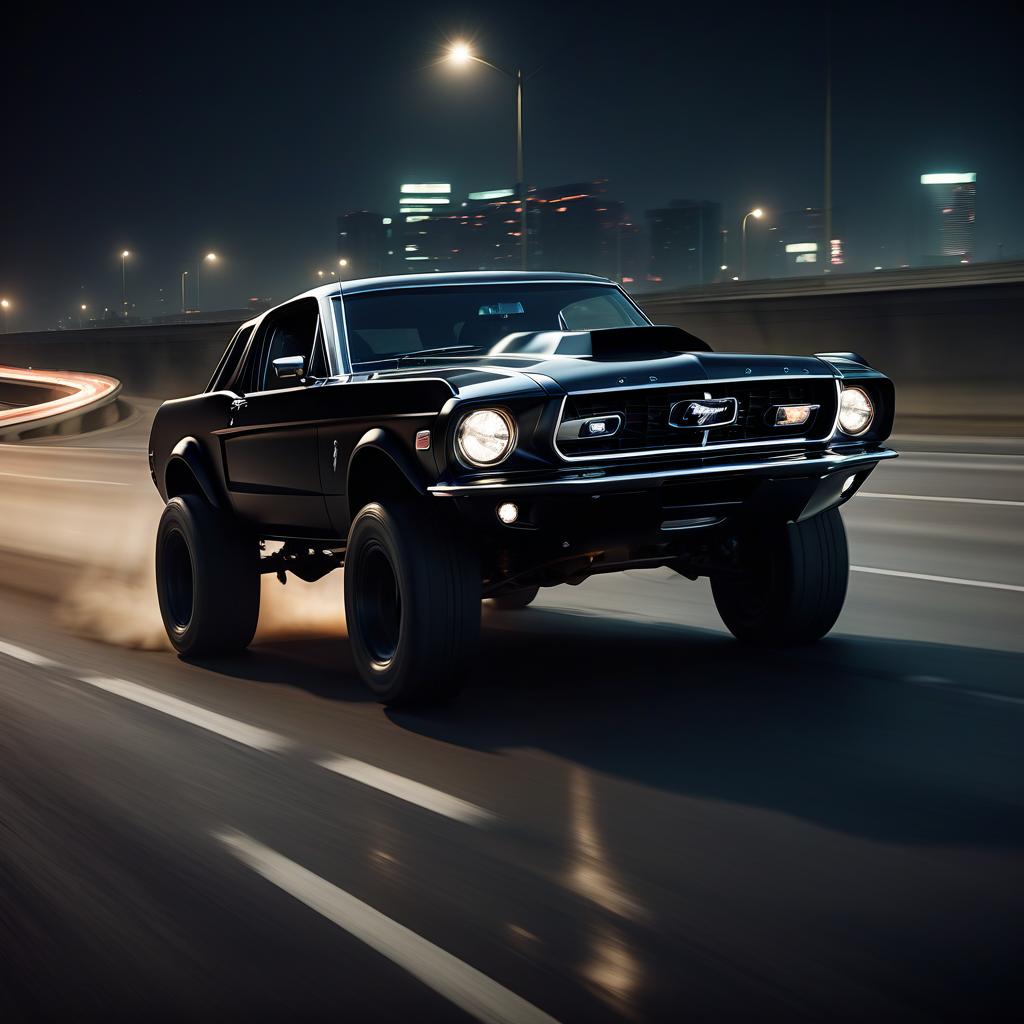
x,y
39,402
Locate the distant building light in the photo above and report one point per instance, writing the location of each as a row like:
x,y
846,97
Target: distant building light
x,y
415,220
802,247
836,252
627,280
425,189
411,258
417,209
724,266
878,268
949,179
423,200
385,220
807,257
494,193
412,248
561,209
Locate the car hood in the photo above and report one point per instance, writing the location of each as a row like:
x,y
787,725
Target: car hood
x,y
569,374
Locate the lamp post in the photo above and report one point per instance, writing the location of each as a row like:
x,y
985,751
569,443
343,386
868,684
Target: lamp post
x,y
460,54
124,283
81,309
210,257
757,213
5,305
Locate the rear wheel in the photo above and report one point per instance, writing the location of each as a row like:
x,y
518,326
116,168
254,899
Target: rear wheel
x,y
207,579
515,599
793,586
412,602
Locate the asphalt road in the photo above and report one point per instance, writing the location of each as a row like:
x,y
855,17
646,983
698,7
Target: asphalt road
x,y
626,815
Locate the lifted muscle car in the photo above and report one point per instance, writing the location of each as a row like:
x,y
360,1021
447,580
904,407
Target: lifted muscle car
x,y
450,438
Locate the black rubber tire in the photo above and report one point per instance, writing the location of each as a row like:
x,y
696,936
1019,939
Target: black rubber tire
x,y
794,587
515,599
207,579
412,602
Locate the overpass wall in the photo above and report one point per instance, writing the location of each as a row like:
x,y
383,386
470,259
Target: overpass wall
x,y
953,351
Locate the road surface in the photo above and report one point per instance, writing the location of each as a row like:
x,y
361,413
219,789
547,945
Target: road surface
x,y
626,816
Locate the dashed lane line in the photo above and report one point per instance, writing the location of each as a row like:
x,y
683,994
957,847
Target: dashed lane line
x,y
469,989
408,790
249,735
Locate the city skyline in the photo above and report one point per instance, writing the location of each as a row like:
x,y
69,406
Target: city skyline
x,y
221,162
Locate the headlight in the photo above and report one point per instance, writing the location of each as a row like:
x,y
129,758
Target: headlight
x,y
855,411
485,437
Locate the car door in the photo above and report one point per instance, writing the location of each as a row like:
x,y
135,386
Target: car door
x,y
270,444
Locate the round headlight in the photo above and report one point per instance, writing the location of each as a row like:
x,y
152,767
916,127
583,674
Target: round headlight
x,y
485,437
855,411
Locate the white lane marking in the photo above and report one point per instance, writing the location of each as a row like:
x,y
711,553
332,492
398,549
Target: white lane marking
x,y
465,986
933,497
30,657
250,735
66,480
407,789
910,460
938,579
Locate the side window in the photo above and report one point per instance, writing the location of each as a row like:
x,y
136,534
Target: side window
x,y
227,370
293,330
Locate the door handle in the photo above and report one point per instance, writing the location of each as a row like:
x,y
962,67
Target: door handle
x,y
236,407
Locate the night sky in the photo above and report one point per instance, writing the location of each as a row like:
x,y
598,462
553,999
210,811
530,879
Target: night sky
x,y
171,129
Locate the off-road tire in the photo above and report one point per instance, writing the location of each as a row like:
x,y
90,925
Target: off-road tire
x,y
207,579
793,586
412,602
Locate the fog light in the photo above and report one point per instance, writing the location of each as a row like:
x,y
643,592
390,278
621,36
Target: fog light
x,y
508,512
791,415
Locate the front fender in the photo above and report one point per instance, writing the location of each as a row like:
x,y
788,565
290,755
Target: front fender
x,y
388,445
187,469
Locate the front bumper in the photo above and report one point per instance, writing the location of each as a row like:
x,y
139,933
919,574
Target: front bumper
x,y
824,464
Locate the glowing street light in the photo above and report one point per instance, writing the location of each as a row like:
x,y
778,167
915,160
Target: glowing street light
x,y
460,54
5,305
211,258
757,213
125,254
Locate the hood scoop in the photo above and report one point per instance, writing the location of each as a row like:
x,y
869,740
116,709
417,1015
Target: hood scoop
x,y
612,343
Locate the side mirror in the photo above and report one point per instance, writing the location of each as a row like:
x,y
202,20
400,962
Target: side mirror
x,y
290,367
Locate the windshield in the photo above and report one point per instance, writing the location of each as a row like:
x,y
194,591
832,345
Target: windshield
x,y
473,318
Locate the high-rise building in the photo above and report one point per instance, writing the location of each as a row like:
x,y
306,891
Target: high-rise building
x,y
947,217
363,244
576,227
803,243
686,243
428,235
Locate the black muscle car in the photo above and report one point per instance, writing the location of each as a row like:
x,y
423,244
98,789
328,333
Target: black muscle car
x,y
450,438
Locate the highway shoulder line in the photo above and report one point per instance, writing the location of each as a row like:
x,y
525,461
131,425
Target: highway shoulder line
x,y
29,657
408,790
934,497
465,986
928,578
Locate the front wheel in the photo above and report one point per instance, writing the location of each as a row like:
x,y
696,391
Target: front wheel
x,y
207,579
793,585
412,602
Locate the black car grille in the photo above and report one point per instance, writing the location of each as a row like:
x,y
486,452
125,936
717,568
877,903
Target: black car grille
x,y
645,415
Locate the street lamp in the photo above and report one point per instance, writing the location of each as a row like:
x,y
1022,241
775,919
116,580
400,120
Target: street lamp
x,y
124,283
757,213
81,309
460,54
210,257
5,305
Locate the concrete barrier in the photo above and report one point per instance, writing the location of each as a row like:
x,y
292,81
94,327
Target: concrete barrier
x,y
956,352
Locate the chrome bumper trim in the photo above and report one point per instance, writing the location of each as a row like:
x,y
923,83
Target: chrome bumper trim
x,y
825,464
